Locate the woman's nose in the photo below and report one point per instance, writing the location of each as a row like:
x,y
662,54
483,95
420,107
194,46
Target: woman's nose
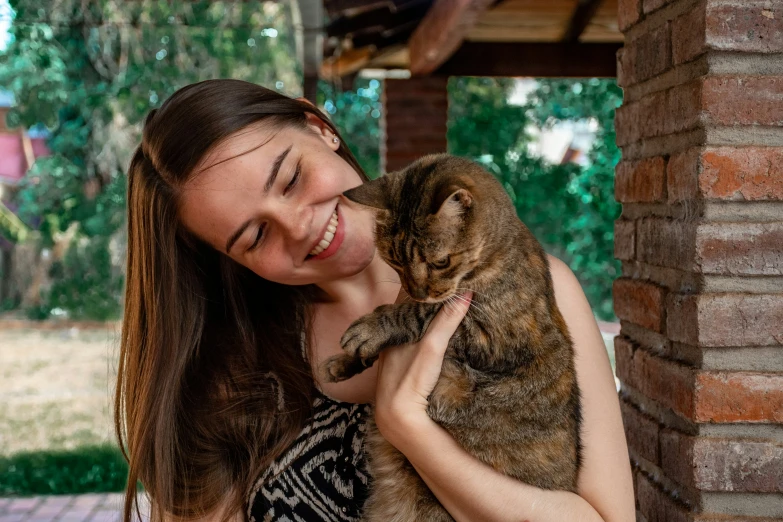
x,y
295,221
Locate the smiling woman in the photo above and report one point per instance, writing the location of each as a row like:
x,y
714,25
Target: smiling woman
x,y
210,352
246,264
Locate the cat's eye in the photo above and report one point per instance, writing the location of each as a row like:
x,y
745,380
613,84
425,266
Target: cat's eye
x,y
442,263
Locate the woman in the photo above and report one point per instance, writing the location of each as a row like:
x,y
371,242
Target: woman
x,y
245,265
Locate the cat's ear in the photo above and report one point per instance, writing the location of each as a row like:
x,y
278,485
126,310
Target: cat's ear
x,y
454,201
373,193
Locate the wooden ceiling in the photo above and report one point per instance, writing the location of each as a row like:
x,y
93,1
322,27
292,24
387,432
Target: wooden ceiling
x,y
478,37
543,21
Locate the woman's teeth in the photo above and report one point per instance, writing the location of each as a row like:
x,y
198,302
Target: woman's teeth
x,y
328,236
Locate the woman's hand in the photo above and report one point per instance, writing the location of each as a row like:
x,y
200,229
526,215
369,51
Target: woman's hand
x,y
407,374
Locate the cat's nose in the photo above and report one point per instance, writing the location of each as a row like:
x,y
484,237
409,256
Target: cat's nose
x,y
419,293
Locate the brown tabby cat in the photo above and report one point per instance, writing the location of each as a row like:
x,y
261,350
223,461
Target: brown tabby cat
x,y
507,392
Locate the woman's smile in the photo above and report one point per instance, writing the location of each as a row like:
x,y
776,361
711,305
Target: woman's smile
x,y
332,237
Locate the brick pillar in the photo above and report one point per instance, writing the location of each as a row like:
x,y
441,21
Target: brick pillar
x,y
700,353
413,122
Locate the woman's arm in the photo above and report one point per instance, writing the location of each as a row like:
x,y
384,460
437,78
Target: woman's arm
x,y
471,490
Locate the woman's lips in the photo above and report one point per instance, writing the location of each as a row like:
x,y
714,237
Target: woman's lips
x,y
339,235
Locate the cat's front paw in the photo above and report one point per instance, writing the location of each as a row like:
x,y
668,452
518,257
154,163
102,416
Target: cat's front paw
x,y
340,367
362,342
364,338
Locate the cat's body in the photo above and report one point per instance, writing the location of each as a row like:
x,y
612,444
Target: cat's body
x,y
507,392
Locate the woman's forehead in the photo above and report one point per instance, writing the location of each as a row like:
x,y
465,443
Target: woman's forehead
x,y
252,139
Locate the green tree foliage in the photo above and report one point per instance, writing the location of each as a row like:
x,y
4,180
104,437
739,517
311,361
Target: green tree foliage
x,y
90,70
570,209
356,113
591,246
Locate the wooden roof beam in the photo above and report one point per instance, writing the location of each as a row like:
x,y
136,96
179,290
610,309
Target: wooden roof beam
x,y
581,60
441,32
584,12
379,19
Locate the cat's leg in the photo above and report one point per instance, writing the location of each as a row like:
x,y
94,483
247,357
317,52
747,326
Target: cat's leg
x,y
363,341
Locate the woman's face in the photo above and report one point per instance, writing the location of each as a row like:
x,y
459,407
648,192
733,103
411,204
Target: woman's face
x,y
269,208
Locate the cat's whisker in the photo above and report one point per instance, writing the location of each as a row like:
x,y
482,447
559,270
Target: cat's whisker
x,y
473,305
462,290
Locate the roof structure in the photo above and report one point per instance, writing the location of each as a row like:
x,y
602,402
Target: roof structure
x,y
554,38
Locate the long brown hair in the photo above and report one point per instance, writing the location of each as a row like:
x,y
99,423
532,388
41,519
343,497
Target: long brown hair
x,y
212,385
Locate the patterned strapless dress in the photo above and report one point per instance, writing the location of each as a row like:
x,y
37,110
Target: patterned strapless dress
x,y
322,476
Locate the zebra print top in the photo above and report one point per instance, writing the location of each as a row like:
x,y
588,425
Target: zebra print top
x,y
322,476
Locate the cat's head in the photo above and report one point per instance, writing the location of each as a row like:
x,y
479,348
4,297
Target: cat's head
x,y
434,223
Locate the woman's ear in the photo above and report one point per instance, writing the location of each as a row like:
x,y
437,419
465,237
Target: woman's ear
x,y
317,125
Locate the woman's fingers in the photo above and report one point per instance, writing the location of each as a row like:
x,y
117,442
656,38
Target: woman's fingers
x,y
445,323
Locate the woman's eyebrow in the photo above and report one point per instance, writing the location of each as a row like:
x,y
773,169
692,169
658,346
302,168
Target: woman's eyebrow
x,y
267,186
276,168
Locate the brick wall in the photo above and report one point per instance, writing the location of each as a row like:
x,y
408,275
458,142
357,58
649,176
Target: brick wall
x,y
413,122
700,353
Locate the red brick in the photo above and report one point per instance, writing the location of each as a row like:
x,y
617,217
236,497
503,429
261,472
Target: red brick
x,y
414,120
682,173
623,355
711,248
652,5
749,26
640,302
739,397
648,55
677,456
747,173
658,505
641,432
710,464
624,239
717,100
628,13
641,181
667,382
739,249
688,35
622,77
665,112
683,107
730,319
746,100
666,242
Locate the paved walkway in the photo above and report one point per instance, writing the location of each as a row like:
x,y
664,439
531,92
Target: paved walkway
x,y
63,508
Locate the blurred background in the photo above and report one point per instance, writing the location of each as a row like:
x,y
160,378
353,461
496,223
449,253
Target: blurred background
x,y
77,79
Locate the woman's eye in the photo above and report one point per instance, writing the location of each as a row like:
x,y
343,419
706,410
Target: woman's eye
x,y
258,238
294,180
442,263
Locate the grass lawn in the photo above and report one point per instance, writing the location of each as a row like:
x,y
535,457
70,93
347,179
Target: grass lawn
x,y
56,431
56,389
